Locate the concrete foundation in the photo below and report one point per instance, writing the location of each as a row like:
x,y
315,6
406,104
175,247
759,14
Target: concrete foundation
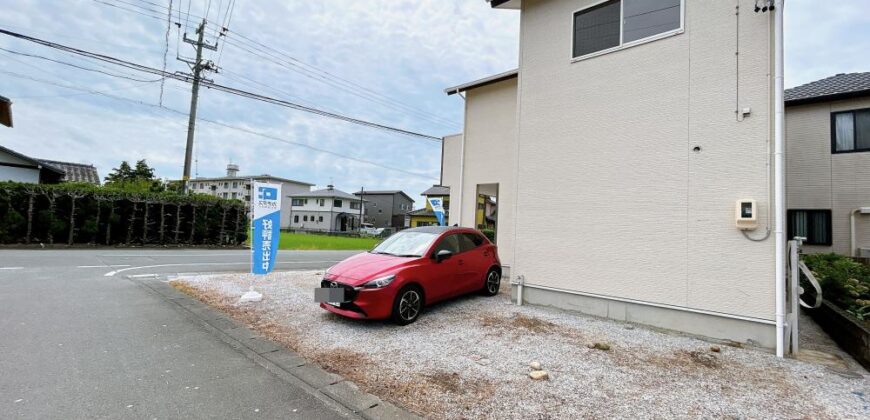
x,y
757,333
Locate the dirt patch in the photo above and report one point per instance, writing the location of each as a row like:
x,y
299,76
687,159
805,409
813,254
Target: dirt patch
x,y
532,324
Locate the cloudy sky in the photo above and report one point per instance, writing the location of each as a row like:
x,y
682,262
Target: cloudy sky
x,y
385,61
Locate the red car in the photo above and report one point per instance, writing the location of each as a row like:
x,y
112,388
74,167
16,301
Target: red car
x,y
409,270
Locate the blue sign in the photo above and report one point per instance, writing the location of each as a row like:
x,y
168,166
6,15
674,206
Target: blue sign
x,y
438,208
266,212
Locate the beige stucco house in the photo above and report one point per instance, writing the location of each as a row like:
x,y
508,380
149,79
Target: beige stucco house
x,y
619,150
828,163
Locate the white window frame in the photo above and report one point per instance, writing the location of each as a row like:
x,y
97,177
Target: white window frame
x,y
623,45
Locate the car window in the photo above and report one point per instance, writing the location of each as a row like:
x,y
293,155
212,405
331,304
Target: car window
x,y
449,242
469,241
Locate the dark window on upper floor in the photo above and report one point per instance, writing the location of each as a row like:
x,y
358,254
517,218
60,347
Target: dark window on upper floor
x,y
336,203
618,22
814,225
850,131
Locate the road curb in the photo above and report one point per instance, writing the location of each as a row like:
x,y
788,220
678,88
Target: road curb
x,y
342,395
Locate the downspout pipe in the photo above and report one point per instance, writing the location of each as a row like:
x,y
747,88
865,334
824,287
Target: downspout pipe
x,y
779,175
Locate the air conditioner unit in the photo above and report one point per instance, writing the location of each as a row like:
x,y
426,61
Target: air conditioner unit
x,y
864,252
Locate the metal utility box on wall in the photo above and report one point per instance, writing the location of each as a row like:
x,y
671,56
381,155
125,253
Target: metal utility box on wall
x,y
746,214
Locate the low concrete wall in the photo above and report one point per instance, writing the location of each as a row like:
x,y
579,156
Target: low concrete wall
x,y
848,332
693,323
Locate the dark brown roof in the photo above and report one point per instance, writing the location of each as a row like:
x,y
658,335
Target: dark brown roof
x,y
383,192
841,86
75,172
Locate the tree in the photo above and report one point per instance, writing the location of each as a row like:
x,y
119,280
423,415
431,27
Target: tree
x,y
120,174
139,179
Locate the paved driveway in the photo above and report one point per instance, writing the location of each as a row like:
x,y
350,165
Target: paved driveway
x,y
79,339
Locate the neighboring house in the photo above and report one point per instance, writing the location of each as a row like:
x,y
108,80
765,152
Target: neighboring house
x,y
17,167
75,172
5,111
828,163
426,216
618,152
327,210
235,186
386,209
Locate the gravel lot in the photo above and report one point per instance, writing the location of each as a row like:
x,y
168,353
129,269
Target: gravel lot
x,y
469,358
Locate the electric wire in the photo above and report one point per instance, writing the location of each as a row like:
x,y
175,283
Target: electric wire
x,y
215,86
166,49
221,124
289,62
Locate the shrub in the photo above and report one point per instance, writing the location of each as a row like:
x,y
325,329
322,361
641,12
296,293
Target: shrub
x,y
83,213
845,282
489,233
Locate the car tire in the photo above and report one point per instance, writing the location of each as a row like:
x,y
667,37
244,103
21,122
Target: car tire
x,y
408,305
492,282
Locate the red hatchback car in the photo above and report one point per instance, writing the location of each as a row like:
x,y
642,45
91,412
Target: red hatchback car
x,y
409,270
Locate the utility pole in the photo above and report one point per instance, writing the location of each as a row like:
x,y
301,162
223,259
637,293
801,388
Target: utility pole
x,y
197,68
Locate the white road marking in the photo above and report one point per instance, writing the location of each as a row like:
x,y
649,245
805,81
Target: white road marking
x,y
103,266
112,273
142,276
11,268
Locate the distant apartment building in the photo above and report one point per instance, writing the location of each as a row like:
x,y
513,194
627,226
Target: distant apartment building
x,y
386,209
828,164
238,187
327,210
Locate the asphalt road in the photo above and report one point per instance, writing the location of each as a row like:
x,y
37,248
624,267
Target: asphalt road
x,y
80,338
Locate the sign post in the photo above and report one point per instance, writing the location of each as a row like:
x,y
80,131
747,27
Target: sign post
x,y
437,204
266,209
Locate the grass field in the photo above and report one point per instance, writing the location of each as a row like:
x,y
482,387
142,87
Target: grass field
x,y
299,241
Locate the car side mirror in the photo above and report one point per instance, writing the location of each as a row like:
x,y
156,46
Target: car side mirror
x,y
443,255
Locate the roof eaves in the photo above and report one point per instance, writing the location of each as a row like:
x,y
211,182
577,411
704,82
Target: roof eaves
x,y
511,74
827,98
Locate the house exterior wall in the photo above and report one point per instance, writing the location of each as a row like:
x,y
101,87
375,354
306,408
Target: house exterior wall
x,y
330,213
240,189
387,210
490,138
612,201
451,156
10,171
819,179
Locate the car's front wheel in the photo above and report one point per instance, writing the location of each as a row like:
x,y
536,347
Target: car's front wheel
x,y
408,305
492,282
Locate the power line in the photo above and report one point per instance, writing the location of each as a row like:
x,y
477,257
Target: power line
x,y
166,48
77,66
222,88
218,123
291,63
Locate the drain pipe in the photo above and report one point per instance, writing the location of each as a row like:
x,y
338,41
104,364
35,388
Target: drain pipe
x,y
778,176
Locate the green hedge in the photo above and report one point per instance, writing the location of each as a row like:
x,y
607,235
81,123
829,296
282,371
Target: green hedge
x,y
845,282
89,214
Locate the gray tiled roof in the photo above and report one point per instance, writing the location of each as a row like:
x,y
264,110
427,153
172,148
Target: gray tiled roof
x,y
438,190
841,86
75,172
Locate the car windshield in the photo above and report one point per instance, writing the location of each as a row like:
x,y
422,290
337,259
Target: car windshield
x,y
406,244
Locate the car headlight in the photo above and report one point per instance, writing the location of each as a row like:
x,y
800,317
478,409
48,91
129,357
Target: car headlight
x,y
380,282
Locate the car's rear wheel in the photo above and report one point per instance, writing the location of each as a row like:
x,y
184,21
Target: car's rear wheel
x,y
492,282
408,305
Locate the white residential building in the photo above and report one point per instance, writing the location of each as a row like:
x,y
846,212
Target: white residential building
x,y
327,210
618,153
238,187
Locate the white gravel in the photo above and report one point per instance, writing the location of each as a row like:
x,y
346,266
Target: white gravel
x,y
469,358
